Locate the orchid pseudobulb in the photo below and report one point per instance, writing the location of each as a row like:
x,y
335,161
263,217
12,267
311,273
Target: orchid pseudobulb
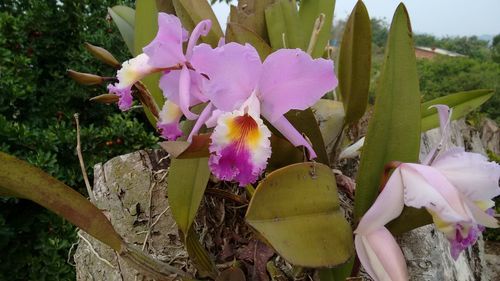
x,y
455,187
241,88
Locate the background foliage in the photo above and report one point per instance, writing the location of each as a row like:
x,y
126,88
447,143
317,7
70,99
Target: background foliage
x,y
39,40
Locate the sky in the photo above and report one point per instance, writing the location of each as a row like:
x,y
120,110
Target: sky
x,y
437,17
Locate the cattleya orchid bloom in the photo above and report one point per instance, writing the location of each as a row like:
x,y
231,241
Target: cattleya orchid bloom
x,y
241,88
455,187
132,71
181,85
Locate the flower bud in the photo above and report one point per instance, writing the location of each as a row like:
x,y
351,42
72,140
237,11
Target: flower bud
x,y
102,55
85,78
105,98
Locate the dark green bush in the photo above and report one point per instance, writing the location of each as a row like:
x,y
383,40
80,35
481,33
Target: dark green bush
x,y
39,40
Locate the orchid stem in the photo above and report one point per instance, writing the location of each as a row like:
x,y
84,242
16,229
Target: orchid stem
x,y
318,25
80,159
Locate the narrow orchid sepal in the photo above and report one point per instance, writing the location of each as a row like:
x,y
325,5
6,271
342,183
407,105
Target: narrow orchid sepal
x,y
289,132
204,116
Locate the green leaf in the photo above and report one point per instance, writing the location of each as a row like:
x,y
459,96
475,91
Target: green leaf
x,y
20,179
305,122
394,131
240,34
146,27
250,13
191,12
124,18
309,12
338,273
283,153
355,63
462,103
199,256
165,6
330,115
296,209
409,219
283,25
187,180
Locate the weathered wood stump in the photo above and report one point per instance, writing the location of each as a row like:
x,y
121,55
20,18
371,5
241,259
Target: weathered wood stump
x,y
132,191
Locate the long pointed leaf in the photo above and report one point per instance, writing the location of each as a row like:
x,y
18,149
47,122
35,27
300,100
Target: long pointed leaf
x,y
462,103
308,13
394,132
191,12
124,18
283,25
20,179
354,63
240,34
187,180
146,27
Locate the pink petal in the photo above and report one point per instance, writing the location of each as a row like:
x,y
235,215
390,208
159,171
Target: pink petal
x,y
444,117
380,255
388,206
426,187
185,93
444,113
233,71
471,173
212,120
169,83
201,29
124,96
166,49
291,134
291,79
205,114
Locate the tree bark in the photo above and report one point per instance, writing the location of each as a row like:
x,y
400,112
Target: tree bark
x,y
132,191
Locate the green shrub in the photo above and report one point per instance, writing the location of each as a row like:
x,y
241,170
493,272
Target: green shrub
x,y
39,40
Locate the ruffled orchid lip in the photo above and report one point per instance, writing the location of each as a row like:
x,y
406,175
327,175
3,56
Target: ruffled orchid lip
x,y
240,147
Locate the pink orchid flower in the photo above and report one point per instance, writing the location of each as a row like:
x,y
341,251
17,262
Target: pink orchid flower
x,y
455,187
241,88
181,85
132,71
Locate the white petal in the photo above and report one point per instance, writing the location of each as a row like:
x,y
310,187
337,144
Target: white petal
x,y
471,173
388,206
381,256
426,187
